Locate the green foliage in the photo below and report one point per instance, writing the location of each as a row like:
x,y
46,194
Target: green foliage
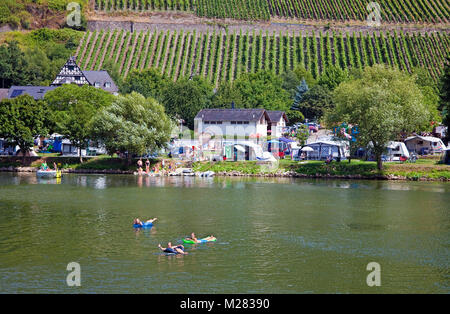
x,y
383,103
444,102
21,120
303,74
73,108
149,83
186,97
302,134
300,91
294,116
132,124
315,102
333,76
262,89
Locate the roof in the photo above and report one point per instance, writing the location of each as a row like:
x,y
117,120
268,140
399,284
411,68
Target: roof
x,y
250,115
424,138
102,77
331,143
37,92
275,116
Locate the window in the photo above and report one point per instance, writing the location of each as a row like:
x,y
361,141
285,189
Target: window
x,y
77,78
108,84
246,122
97,84
206,122
219,122
239,122
70,67
233,122
213,122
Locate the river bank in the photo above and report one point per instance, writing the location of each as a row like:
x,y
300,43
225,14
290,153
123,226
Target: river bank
x,y
424,170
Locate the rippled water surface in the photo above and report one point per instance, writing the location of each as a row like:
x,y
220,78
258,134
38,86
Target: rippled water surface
x,y
274,235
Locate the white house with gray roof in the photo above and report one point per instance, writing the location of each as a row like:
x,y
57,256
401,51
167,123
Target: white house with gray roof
x,y
70,73
241,123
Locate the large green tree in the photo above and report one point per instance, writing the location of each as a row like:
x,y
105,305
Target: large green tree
x,y
315,102
262,89
21,120
149,83
73,107
382,103
184,98
444,101
13,65
132,124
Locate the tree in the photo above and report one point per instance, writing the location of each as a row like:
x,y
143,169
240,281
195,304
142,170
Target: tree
x,y
300,91
262,89
149,83
184,98
12,65
132,124
303,74
333,76
113,70
316,102
72,109
302,134
290,82
444,101
294,116
383,103
21,120
225,95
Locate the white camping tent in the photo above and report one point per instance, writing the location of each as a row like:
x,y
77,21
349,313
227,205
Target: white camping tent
x,y
424,145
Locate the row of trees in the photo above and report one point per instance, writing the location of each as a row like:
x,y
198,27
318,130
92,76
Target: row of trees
x,y
129,124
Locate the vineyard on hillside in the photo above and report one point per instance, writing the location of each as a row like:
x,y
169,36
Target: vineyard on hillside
x,y
225,56
405,11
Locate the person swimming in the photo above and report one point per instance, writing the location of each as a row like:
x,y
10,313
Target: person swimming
x,y
194,238
179,249
137,222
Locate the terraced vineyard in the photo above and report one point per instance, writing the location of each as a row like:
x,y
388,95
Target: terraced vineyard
x,y
225,56
405,11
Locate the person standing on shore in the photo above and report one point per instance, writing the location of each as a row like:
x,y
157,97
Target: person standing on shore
x,y
147,166
139,163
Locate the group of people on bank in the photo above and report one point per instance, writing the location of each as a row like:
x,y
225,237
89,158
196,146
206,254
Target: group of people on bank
x,y
178,249
155,169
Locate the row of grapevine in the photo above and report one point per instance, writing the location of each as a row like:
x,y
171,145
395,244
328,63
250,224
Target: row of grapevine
x,y
143,5
405,11
225,56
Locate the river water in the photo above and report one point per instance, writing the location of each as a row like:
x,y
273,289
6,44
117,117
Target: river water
x,y
273,235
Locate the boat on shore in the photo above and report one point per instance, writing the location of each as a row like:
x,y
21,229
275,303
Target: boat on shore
x,y
48,173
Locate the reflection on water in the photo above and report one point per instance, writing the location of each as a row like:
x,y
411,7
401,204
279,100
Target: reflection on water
x,y
275,235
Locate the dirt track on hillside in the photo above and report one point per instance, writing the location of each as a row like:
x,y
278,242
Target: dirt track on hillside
x,y
188,21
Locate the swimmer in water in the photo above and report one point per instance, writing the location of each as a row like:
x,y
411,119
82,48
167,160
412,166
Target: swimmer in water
x,y
179,249
193,238
136,221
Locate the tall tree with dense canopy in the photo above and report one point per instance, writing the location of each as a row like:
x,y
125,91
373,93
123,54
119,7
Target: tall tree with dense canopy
x,y
148,83
186,97
132,124
382,103
315,102
21,120
300,91
73,107
262,89
444,102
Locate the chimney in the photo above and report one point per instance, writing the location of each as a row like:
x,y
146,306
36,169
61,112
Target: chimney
x,y
232,105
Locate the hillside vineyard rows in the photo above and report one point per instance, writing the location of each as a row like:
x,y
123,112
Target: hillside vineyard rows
x,y
220,56
393,11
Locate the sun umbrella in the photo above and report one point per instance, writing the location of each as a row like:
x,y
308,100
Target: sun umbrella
x,y
307,149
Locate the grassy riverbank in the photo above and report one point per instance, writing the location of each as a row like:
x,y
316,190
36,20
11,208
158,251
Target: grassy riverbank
x,y
429,169
423,169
